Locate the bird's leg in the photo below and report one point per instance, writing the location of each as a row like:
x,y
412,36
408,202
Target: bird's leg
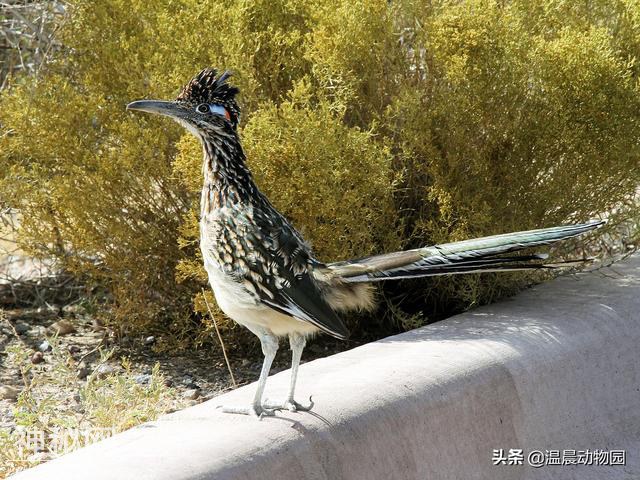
x,y
297,343
269,344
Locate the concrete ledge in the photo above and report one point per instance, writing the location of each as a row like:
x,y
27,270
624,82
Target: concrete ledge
x,y
553,368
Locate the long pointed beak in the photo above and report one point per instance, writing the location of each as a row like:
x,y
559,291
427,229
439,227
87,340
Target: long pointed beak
x,y
161,107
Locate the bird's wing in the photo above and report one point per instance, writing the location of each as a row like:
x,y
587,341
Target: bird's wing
x,y
279,271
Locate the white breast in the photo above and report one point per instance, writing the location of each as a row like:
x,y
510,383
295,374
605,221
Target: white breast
x,y
242,306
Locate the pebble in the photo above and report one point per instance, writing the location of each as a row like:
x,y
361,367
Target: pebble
x,y
61,327
191,394
45,347
37,357
104,370
83,371
142,379
72,349
150,340
8,393
188,382
168,382
21,328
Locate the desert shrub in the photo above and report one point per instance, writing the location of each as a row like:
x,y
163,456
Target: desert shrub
x,y
27,37
373,125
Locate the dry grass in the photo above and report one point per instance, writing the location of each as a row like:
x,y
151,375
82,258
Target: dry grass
x,y
57,413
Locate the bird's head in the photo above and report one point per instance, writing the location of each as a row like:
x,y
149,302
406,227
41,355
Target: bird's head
x,y
206,105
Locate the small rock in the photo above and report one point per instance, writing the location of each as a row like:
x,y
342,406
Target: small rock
x,y
21,328
61,327
244,362
45,347
150,340
77,398
8,392
191,394
142,379
73,349
37,357
83,371
104,370
168,382
188,382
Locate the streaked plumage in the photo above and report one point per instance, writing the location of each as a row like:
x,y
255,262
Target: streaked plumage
x,y
262,272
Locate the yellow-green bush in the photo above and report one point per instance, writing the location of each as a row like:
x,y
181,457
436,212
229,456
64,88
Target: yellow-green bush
x,y
374,125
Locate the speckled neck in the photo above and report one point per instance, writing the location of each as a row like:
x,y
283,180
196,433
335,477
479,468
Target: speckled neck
x,y
227,179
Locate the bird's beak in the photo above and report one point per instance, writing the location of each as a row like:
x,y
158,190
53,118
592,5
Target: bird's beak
x,y
160,107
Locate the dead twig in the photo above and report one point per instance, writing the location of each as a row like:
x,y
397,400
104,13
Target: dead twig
x,y
224,350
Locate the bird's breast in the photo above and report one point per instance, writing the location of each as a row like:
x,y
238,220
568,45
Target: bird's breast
x,y
228,239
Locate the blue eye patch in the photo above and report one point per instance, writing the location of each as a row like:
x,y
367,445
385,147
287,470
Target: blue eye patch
x,y
219,110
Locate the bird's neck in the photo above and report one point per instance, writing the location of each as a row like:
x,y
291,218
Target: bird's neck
x,y
227,179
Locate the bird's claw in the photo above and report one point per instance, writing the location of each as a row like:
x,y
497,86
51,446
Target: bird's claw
x,y
289,404
257,411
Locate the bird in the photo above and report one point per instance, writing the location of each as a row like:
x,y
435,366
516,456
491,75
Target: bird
x,y
263,273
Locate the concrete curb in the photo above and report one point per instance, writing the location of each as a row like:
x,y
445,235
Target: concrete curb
x,y
554,368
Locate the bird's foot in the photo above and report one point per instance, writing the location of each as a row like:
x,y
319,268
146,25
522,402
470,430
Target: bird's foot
x,y
257,411
289,404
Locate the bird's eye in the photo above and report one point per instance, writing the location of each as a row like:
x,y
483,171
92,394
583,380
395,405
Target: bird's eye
x,y
203,108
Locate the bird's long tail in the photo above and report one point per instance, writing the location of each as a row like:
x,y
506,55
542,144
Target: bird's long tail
x,y
486,254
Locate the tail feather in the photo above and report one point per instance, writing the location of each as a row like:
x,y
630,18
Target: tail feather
x,y
468,256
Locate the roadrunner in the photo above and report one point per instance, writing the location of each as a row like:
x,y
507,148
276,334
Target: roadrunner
x,y
265,276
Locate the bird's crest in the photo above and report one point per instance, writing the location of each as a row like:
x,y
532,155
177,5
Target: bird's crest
x,y
208,87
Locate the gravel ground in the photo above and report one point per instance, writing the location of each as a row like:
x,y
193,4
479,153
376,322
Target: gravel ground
x,y
197,375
